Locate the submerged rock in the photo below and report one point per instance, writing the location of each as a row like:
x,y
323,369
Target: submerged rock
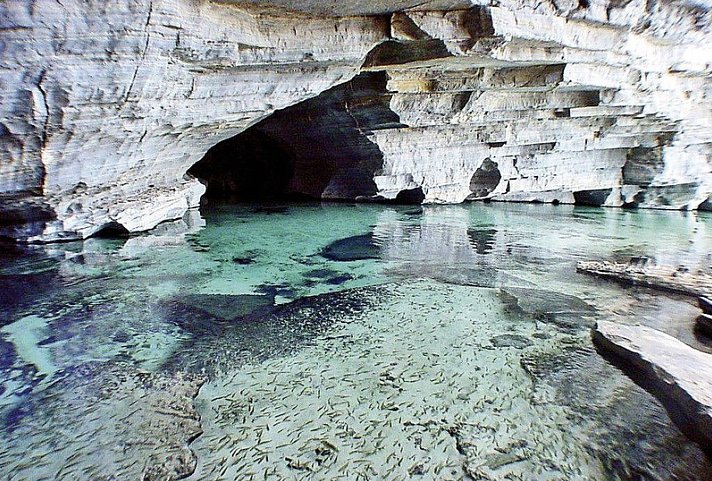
x,y
119,423
565,311
215,347
355,248
224,306
676,373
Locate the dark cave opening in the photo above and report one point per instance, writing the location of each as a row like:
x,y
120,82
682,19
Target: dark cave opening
x,y
318,149
249,166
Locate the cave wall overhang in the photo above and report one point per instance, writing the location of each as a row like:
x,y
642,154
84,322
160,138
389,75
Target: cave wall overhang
x,y
106,107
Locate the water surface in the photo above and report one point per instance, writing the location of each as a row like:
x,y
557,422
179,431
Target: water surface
x,y
342,342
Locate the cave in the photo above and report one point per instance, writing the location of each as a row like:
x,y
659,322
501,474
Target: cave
x,y
317,149
591,197
249,166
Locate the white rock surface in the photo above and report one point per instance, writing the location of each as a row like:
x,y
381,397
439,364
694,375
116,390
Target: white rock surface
x,y
105,107
676,371
560,105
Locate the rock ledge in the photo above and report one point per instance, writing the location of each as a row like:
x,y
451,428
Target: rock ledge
x,y
676,373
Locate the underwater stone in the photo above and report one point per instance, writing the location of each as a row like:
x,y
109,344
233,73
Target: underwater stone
x,y
226,306
355,248
511,340
568,313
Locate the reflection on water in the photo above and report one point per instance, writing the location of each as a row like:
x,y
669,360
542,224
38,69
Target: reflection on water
x,y
341,341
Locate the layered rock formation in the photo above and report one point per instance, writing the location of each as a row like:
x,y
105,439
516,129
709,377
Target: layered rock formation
x,y
105,108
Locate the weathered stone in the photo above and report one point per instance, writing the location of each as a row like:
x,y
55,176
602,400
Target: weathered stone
x,y
642,273
678,374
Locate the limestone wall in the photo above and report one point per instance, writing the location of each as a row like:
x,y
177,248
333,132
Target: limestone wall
x,y
104,106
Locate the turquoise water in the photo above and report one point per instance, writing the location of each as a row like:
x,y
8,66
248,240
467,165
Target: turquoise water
x,y
341,342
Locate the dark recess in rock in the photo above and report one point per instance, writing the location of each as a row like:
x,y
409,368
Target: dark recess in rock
x,y
703,324
393,52
316,149
410,196
706,205
112,230
485,179
251,166
637,199
642,165
593,197
23,214
478,22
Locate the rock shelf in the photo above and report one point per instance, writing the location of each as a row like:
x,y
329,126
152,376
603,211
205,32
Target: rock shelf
x,y
641,273
678,374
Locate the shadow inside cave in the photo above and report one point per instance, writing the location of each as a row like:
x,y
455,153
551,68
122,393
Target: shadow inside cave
x,y
317,149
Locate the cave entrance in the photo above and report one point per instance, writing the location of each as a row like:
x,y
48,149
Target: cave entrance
x,y
249,166
317,149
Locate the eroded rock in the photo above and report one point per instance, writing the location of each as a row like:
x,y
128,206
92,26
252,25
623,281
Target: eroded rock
x,y
100,121
641,272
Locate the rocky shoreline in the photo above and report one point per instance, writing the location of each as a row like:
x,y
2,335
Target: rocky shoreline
x,y
677,374
641,272
680,376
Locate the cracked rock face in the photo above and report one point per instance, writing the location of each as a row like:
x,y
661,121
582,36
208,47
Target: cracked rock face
x,y
105,108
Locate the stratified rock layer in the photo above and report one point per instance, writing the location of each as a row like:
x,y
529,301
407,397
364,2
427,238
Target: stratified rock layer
x,y
679,374
664,277
105,108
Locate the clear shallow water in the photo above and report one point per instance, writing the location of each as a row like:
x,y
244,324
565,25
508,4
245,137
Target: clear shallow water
x,y
340,341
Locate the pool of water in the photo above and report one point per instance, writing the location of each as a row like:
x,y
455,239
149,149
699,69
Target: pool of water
x,y
338,341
